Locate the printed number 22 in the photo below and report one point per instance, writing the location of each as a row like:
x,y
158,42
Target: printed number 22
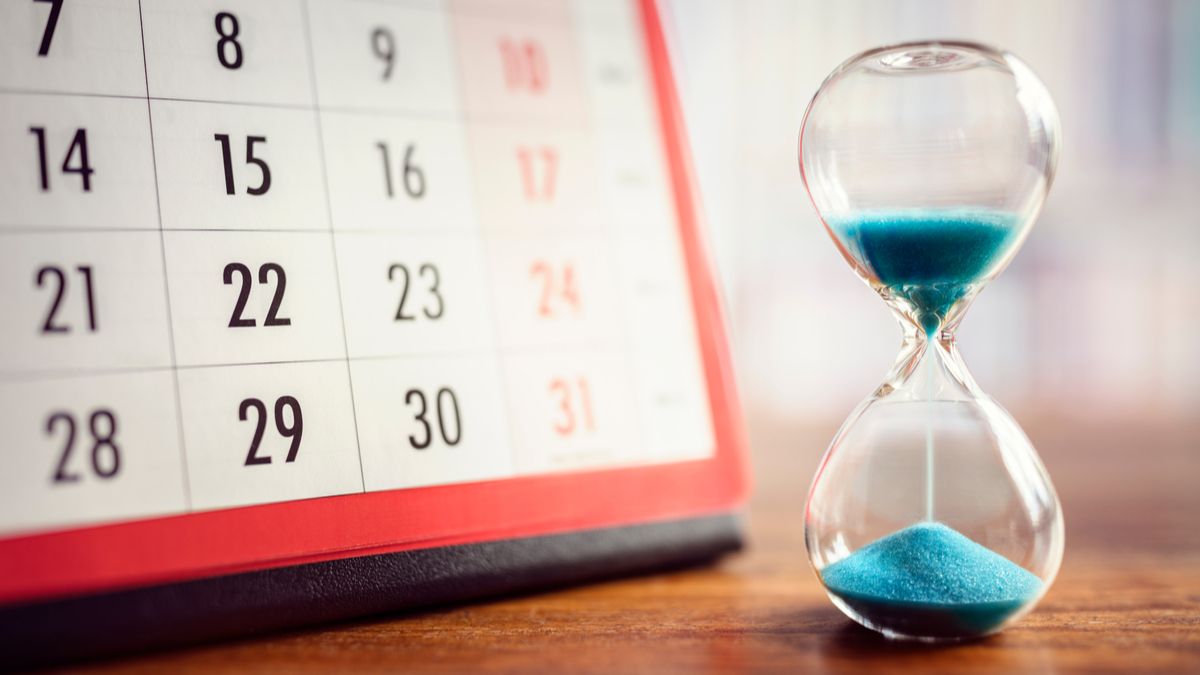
x,y
236,320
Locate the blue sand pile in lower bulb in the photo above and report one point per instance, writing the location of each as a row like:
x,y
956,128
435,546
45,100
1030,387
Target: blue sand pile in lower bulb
x,y
931,258
928,580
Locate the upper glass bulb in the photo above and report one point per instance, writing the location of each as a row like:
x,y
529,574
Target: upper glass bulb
x,y
951,134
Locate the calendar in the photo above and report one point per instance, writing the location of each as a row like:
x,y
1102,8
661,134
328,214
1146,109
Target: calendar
x,y
293,283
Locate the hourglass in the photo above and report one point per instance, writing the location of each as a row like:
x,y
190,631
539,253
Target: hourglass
x,y
931,516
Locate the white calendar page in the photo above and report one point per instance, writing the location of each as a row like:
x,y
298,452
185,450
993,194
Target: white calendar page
x,y
256,251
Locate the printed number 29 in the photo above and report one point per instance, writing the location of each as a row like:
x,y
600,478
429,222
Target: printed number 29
x,y
294,431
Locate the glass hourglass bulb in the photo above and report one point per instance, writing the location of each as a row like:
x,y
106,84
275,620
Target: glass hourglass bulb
x,y
931,515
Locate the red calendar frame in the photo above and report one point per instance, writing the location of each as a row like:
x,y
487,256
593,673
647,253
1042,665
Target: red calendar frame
x,y
172,549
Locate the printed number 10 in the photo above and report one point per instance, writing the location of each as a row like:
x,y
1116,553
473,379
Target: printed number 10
x,y
525,65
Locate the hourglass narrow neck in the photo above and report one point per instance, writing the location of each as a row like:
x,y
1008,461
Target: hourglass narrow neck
x,y
929,367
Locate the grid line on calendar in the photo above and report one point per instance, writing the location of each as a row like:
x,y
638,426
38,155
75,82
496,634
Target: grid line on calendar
x,y
187,490
384,111
581,347
332,236
499,292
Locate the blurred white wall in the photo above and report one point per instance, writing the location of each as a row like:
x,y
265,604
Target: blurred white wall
x,y
1099,315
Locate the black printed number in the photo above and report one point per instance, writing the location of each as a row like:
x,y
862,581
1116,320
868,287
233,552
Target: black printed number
x,y
76,160
227,159
51,24
435,307
265,271
412,178
383,43
229,50
56,278
105,453
293,430
445,410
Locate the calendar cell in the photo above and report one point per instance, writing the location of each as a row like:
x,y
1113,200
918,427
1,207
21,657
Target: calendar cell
x,y
534,179
81,47
569,411
75,302
75,162
519,68
260,434
413,294
430,421
554,292
637,194
370,55
86,450
231,167
397,174
671,391
614,61
243,51
253,297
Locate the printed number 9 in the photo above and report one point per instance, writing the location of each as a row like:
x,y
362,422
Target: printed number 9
x,y
384,46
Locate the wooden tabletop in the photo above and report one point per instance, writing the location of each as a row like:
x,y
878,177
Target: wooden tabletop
x,y
1127,598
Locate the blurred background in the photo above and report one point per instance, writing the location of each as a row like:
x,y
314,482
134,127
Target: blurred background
x,y
1098,317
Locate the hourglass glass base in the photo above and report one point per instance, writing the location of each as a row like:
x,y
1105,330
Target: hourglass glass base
x,y
928,623
927,581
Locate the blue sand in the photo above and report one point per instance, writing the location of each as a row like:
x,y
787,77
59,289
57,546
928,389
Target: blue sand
x,y
930,258
928,580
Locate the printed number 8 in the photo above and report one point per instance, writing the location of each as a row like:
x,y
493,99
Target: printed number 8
x,y
228,29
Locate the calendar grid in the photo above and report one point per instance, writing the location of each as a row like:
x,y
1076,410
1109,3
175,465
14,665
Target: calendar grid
x,y
187,489
544,388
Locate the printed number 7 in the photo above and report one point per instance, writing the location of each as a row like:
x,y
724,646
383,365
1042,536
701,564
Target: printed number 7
x,y
51,23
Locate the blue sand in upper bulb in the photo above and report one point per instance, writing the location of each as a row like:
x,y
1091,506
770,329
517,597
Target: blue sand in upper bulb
x,y
929,580
929,257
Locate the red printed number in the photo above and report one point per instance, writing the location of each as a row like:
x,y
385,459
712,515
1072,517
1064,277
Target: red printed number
x,y
525,65
539,168
559,291
574,406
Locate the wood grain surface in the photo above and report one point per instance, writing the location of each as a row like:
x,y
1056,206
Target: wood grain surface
x,y
1127,598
